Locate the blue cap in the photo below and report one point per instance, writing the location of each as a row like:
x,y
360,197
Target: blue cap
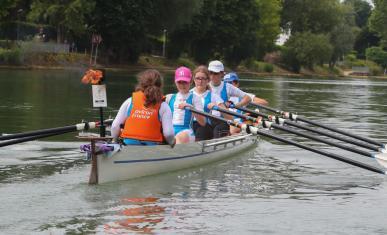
x,y
231,77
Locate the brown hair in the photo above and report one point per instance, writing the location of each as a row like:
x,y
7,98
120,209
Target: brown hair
x,y
150,82
203,69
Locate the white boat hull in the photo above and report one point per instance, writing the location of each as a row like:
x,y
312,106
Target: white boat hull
x,y
138,161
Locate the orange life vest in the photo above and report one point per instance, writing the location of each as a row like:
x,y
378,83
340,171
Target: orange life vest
x,y
143,122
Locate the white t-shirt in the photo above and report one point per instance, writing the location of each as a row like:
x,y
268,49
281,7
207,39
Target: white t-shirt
x,y
231,90
198,101
164,113
178,115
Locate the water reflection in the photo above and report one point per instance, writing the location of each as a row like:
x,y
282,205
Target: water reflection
x,y
137,215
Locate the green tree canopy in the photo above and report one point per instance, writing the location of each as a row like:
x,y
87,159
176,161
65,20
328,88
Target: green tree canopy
x,y
378,55
306,49
268,27
316,16
378,20
362,10
68,17
342,36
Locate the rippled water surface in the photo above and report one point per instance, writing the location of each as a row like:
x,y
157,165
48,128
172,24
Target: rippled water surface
x,y
273,189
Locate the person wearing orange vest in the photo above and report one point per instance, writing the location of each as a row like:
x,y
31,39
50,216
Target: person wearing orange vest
x,y
147,119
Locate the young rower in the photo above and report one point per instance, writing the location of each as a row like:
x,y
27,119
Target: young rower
x,y
204,100
225,91
181,118
148,120
233,79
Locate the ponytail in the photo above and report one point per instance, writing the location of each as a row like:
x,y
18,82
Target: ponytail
x,y
150,82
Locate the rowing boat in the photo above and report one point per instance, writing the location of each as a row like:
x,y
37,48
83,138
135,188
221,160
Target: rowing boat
x,y
129,162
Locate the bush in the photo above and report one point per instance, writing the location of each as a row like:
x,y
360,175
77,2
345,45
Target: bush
x,y
10,56
268,68
306,49
374,68
186,62
378,55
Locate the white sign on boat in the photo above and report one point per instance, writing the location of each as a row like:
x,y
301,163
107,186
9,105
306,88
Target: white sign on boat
x,y
99,96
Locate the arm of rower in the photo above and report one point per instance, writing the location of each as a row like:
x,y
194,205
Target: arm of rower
x,y
200,119
260,101
245,101
227,116
120,118
166,122
245,98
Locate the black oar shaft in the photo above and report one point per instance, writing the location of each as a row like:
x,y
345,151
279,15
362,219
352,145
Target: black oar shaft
x,y
365,139
290,123
319,139
289,130
81,126
302,119
328,154
351,141
266,134
38,132
29,138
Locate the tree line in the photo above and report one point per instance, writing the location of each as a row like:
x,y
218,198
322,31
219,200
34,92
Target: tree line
x,y
319,31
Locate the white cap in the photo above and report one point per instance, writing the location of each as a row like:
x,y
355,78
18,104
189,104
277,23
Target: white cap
x,y
215,66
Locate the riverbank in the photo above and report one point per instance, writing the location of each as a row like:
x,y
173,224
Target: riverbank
x,y
168,66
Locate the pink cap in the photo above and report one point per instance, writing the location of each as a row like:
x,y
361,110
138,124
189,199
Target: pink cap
x,y
183,74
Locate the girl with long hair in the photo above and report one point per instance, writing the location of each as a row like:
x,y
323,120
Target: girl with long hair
x,y
146,118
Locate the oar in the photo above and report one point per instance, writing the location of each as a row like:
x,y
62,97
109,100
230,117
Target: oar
x,y
281,121
33,135
65,129
290,130
29,138
254,130
295,117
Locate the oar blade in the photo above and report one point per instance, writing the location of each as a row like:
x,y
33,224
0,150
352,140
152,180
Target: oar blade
x,y
381,158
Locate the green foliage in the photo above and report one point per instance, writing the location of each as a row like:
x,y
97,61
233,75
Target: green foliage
x,y
378,20
268,26
378,55
306,49
364,39
342,36
10,56
68,17
185,62
5,5
268,68
316,16
257,66
375,69
362,11
228,30
55,59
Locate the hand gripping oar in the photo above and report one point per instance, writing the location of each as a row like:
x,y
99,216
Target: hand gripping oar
x,y
33,135
380,157
294,117
256,131
282,121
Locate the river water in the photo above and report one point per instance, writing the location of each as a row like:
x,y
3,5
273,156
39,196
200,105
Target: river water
x,y
273,189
